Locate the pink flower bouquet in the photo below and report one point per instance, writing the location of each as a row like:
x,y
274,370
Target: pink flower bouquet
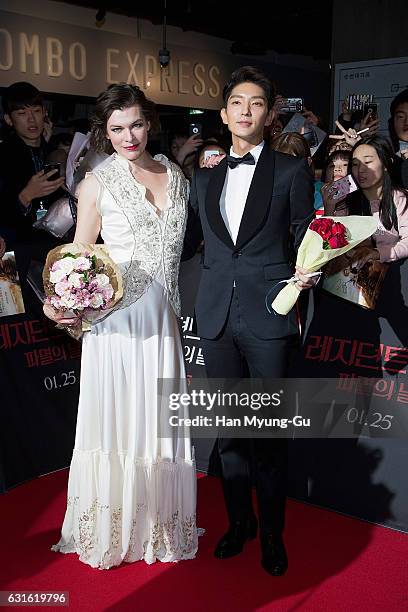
x,y
82,281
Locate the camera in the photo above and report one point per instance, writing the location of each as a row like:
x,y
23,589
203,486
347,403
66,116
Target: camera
x,y
292,105
164,57
342,187
371,108
195,129
210,153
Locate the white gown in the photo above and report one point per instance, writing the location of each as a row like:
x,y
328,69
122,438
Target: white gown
x,y
131,495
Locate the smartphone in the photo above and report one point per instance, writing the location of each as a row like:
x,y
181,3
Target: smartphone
x,y
356,102
373,107
292,105
53,166
209,153
195,129
341,188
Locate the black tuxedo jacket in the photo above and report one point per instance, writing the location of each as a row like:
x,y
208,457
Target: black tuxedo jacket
x,y
280,197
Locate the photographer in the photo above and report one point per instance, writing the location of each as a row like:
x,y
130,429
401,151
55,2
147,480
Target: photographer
x,y
24,185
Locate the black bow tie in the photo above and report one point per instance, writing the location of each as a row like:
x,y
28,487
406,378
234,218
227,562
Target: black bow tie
x,y
234,161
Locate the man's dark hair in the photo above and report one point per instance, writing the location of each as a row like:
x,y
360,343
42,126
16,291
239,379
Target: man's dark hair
x,y
250,74
401,98
20,95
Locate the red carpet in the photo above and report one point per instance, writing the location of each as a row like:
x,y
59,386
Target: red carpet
x,y
335,563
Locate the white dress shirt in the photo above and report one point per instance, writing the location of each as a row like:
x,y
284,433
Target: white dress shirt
x,y
235,191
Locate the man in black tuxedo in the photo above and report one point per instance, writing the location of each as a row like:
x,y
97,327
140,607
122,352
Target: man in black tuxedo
x,y
244,209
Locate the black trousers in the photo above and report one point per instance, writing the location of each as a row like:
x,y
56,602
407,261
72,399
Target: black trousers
x,y
235,353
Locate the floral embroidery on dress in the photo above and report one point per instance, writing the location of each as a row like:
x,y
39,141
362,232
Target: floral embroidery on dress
x,y
154,240
175,536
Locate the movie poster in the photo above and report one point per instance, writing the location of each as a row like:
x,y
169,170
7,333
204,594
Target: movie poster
x,y
11,299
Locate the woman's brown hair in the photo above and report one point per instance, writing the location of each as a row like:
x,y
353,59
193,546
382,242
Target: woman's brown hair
x,y
292,144
118,97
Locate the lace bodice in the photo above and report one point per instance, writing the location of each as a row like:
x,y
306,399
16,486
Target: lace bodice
x,y
140,240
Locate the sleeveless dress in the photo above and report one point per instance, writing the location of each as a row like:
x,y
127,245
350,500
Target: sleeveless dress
x,y
132,494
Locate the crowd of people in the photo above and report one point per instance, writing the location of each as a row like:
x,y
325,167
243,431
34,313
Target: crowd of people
x,y
29,185
250,204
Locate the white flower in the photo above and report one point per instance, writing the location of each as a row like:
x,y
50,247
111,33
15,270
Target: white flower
x,y
96,300
57,276
67,264
102,280
75,279
82,263
62,287
67,301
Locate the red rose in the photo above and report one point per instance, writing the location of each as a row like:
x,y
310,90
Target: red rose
x,y
323,227
338,229
336,242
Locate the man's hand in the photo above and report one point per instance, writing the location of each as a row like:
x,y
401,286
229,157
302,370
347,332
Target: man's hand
x,y
2,247
38,186
306,281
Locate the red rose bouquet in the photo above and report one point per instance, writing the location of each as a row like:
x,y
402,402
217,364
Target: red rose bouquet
x,y
333,233
325,238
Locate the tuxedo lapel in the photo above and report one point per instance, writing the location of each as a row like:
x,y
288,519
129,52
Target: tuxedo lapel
x,y
259,197
212,203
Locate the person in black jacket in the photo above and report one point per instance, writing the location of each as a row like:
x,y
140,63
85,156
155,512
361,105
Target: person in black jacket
x,y
24,186
244,209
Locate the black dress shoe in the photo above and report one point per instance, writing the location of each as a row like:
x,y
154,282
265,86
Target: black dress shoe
x,y
233,541
274,558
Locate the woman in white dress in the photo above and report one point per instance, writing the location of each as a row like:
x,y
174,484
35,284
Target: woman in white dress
x,y
131,493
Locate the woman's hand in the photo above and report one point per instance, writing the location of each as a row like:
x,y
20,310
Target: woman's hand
x,y
330,198
213,160
350,136
371,124
59,317
345,111
190,146
310,117
404,153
